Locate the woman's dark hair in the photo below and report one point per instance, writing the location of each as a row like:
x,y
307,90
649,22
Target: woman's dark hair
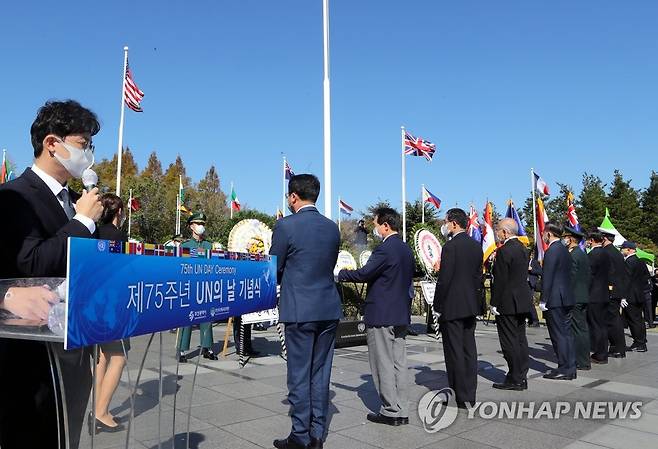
x,y
112,204
458,216
307,187
390,216
62,118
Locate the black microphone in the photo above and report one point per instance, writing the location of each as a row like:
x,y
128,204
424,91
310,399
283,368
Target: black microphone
x,y
89,179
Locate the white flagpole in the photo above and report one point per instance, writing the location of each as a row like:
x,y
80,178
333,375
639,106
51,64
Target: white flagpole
x,y
231,205
534,210
339,213
422,202
130,211
327,113
178,204
123,110
283,189
404,190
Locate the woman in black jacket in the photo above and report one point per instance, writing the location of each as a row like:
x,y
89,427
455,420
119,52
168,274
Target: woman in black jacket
x,y
112,359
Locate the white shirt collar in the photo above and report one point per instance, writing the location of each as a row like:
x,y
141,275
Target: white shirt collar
x,y
394,233
51,182
304,207
511,238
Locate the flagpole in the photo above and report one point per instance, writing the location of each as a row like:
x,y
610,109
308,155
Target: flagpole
x,y
283,189
422,202
123,110
534,210
231,205
178,204
327,112
130,211
339,213
404,190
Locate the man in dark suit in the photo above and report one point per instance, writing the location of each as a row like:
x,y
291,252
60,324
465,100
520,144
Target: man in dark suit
x,y
557,297
638,277
389,274
597,308
511,300
617,291
580,281
457,301
44,214
306,246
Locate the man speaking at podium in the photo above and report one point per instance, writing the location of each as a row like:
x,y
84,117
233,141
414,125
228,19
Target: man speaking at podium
x,y
43,214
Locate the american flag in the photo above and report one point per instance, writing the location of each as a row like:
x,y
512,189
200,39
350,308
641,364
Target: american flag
x,y
132,95
416,146
288,171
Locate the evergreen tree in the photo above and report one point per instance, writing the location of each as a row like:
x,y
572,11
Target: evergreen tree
x,y
650,209
212,201
624,205
592,201
153,167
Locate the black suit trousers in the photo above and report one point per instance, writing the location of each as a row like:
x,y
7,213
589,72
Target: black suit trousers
x,y
460,354
636,325
615,327
514,343
598,329
558,321
581,335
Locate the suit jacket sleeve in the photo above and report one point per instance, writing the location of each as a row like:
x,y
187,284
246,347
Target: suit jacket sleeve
x,y
500,273
369,272
444,278
548,277
279,248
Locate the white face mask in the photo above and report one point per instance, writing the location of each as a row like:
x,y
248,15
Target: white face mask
x,y
199,229
444,230
376,233
78,161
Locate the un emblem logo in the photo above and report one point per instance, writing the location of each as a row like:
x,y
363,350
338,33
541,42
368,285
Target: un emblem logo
x,y
101,245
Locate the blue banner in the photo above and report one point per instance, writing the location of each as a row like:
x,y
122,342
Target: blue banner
x,y
112,295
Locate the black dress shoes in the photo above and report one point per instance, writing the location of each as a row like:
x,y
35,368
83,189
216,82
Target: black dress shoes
x,y
524,384
288,443
388,420
598,360
554,375
316,443
510,386
182,358
583,368
208,354
95,426
637,348
617,355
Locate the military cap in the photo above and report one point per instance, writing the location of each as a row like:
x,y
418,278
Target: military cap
x,y
197,217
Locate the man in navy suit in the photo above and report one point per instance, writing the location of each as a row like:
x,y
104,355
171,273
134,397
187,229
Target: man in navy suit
x,y
389,274
557,296
306,246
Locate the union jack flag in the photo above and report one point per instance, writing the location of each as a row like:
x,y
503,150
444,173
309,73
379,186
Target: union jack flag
x,y
132,95
288,171
417,146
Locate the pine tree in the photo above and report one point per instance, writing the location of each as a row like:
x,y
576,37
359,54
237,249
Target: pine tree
x,y
592,202
153,167
212,201
650,209
624,205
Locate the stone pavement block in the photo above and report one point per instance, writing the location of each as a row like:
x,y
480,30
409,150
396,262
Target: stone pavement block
x,y
200,396
343,417
230,412
457,443
242,390
408,437
650,407
145,427
583,445
262,431
208,439
338,441
461,424
509,436
276,402
646,423
214,378
566,426
645,379
616,437
629,389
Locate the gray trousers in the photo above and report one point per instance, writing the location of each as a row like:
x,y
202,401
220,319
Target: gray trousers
x,y
387,351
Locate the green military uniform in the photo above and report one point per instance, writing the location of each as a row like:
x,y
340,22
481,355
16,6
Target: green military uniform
x,y
185,333
580,280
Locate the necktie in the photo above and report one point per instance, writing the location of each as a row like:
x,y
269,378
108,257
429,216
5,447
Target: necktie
x,y
66,203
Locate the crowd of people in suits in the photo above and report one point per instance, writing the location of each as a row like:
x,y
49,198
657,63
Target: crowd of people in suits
x,y
584,298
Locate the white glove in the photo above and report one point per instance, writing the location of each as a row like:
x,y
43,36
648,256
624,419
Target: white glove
x,y
495,311
542,307
336,271
624,303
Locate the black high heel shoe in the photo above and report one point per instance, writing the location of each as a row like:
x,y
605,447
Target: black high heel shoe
x,y
99,426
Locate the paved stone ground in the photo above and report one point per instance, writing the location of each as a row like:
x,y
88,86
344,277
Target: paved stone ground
x,y
247,408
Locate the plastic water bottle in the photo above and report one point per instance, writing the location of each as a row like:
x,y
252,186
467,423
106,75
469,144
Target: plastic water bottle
x,y
56,318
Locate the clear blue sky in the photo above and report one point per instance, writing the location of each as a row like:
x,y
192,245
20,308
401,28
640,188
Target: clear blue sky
x,y
500,86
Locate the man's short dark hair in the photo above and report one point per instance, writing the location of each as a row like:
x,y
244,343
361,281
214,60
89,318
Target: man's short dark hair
x,y
596,236
390,216
62,118
554,228
305,186
458,216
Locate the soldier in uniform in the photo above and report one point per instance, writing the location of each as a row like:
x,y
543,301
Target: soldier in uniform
x,y
638,279
618,291
197,225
